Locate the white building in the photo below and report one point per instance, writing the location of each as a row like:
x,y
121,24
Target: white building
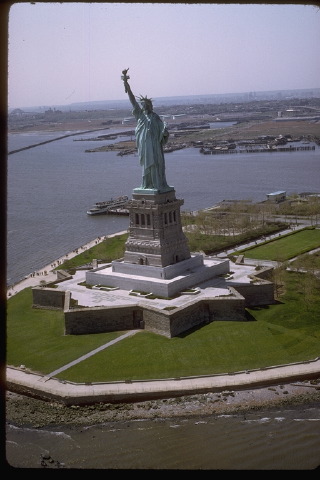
x,y
277,197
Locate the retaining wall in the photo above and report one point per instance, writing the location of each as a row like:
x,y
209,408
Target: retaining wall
x,y
43,297
256,294
80,321
227,309
171,323
68,393
168,323
265,273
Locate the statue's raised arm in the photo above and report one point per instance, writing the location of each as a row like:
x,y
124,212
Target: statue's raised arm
x,y
127,88
151,134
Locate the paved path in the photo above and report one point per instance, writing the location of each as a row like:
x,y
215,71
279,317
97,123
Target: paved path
x,y
254,243
90,354
73,394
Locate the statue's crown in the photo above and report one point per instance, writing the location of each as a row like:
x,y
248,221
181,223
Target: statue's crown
x,y
144,99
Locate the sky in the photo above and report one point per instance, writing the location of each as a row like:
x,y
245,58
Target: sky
x,y
62,53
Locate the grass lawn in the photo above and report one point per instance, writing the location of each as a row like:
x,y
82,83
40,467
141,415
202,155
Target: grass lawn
x,y
283,333
311,261
35,338
287,247
106,251
210,243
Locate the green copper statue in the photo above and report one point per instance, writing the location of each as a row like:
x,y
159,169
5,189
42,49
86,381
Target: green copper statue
x,y
151,135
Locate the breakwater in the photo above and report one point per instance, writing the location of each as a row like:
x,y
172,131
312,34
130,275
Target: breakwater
x,y
54,140
220,151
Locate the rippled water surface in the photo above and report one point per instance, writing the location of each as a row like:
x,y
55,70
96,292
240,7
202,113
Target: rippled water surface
x,y
276,440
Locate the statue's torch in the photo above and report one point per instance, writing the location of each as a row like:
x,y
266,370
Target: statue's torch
x,y
125,77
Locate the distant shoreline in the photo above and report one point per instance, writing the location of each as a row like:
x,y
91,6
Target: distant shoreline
x,y
51,140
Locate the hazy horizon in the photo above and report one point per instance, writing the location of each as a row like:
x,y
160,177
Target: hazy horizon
x,y
223,98
65,53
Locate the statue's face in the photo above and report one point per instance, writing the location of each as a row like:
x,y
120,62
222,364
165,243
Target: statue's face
x,y
146,107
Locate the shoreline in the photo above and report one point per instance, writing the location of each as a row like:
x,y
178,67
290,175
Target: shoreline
x,y
25,411
48,273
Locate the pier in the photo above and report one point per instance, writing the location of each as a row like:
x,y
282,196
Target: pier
x,y
220,151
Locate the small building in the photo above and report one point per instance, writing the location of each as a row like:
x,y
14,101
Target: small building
x,y
277,197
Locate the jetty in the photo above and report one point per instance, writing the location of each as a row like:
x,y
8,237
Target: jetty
x,y
226,150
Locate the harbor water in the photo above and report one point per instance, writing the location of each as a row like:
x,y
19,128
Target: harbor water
x,y
287,439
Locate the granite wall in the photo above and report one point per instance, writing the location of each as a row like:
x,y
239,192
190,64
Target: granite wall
x,y
79,321
43,297
167,322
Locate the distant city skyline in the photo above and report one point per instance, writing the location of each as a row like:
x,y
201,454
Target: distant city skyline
x,y
234,97
64,53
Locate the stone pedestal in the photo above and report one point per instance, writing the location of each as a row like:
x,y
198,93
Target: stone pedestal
x,y
157,258
155,232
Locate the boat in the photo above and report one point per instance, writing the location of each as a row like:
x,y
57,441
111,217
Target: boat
x,y
109,206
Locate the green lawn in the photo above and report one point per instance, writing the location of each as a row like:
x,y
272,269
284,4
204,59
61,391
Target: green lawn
x,y
278,334
35,337
211,244
108,250
310,261
287,247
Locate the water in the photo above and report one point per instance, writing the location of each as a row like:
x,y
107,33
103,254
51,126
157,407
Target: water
x,y
50,188
218,125
274,440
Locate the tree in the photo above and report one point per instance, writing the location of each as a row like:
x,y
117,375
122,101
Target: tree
x,y
311,289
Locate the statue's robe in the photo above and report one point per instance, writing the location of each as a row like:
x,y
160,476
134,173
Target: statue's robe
x,y
151,135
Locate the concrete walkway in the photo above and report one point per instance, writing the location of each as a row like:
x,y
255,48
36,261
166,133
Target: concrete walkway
x,y
77,394
257,242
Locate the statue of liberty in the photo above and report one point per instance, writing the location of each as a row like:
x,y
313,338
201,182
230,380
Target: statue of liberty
x,y
151,135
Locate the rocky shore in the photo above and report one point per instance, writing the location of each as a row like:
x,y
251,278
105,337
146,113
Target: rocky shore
x,y
30,412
